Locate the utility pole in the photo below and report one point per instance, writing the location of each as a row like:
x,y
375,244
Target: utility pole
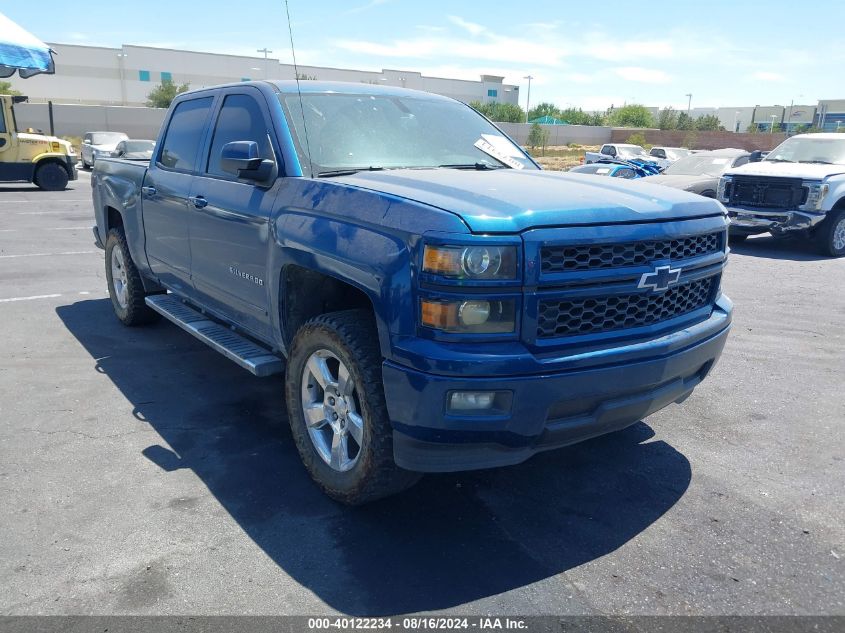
x,y
264,50
772,117
528,98
689,102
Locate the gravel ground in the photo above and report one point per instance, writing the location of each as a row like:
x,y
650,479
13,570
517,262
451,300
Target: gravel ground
x,y
141,473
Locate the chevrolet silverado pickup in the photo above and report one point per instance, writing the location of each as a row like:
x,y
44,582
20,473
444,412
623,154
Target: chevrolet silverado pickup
x,y
797,189
435,301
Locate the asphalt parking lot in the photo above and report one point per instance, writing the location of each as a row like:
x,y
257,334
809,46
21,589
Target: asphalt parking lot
x,y
140,472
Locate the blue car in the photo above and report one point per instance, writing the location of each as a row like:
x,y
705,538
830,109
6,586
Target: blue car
x,y
615,168
430,299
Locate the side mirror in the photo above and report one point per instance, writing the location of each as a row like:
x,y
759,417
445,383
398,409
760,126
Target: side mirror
x,y
242,159
756,156
87,141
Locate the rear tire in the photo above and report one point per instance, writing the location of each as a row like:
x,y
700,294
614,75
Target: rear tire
x,y
830,235
51,177
334,370
124,281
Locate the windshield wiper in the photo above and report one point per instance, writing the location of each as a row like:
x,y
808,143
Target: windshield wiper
x,y
476,166
816,162
346,172
778,160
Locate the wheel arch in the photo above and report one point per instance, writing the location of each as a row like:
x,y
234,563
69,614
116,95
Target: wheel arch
x,y
306,292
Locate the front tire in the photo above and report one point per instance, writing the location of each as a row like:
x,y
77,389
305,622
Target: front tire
x,y
830,236
337,410
124,281
51,177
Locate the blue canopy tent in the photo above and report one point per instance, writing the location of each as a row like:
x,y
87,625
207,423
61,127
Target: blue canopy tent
x,y
22,52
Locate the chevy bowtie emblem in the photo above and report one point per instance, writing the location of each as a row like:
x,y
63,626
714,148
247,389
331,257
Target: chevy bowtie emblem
x,y
660,279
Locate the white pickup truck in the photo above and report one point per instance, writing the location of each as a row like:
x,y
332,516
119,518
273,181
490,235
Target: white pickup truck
x,y
798,188
624,151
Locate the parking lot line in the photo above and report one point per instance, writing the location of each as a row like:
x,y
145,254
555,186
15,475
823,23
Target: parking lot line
x,y
47,254
43,200
11,299
55,228
83,293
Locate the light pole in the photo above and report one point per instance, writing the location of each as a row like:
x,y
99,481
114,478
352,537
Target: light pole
x,y
689,102
772,117
736,114
528,98
264,50
120,58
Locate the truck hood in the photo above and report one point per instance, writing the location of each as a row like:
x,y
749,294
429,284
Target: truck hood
x,y
807,171
513,200
46,139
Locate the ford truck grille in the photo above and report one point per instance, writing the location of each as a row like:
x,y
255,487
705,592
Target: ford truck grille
x,y
557,318
766,191
559,259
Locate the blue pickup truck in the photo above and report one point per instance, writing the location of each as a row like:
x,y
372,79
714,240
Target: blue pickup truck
x,y
435,300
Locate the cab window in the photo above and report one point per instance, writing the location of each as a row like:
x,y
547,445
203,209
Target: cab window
x,y
2,122
240,119
184,132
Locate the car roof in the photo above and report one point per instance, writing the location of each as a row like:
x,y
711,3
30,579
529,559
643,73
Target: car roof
x,y
727,151
310,86
828,136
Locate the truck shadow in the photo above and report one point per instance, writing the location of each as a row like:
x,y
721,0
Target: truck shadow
x,y
450,540
787,248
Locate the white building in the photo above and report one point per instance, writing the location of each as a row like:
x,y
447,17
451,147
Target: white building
x,y
126,75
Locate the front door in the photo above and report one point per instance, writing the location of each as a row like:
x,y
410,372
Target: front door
x,y
165,192
230,217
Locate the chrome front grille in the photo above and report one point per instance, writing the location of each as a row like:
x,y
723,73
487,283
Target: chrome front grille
x,y
570,317
569,258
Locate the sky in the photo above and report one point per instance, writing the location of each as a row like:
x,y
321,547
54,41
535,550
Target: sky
x,y
589,54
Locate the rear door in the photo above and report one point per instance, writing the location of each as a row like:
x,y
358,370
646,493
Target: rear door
x,y
230,217
165,192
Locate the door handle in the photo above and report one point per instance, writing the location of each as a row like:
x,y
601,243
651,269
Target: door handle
x,y
198,201
149,191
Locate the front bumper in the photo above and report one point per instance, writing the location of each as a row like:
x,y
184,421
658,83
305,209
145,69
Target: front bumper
x,y
751,220
548,410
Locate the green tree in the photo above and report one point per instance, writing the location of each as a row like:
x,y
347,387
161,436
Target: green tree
x,y
538,137
162,95
6,89
709,122
543,109
685,122
752,129
634,115
667,119
501,112
576,116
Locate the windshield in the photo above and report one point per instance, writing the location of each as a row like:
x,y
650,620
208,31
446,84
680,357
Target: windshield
x,y
139,146
359,132
106,138
809,150
699,166
632,151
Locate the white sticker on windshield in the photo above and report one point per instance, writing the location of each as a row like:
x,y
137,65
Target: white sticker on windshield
x,y
603,170
720,161
504,155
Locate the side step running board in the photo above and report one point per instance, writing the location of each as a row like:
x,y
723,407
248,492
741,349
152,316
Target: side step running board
x,y
250,356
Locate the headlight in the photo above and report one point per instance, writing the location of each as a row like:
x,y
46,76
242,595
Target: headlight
x,y
816,191
473,316
723,193
471,262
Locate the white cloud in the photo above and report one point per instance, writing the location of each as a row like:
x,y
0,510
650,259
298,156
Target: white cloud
x,y
642,75
768,76
471,27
